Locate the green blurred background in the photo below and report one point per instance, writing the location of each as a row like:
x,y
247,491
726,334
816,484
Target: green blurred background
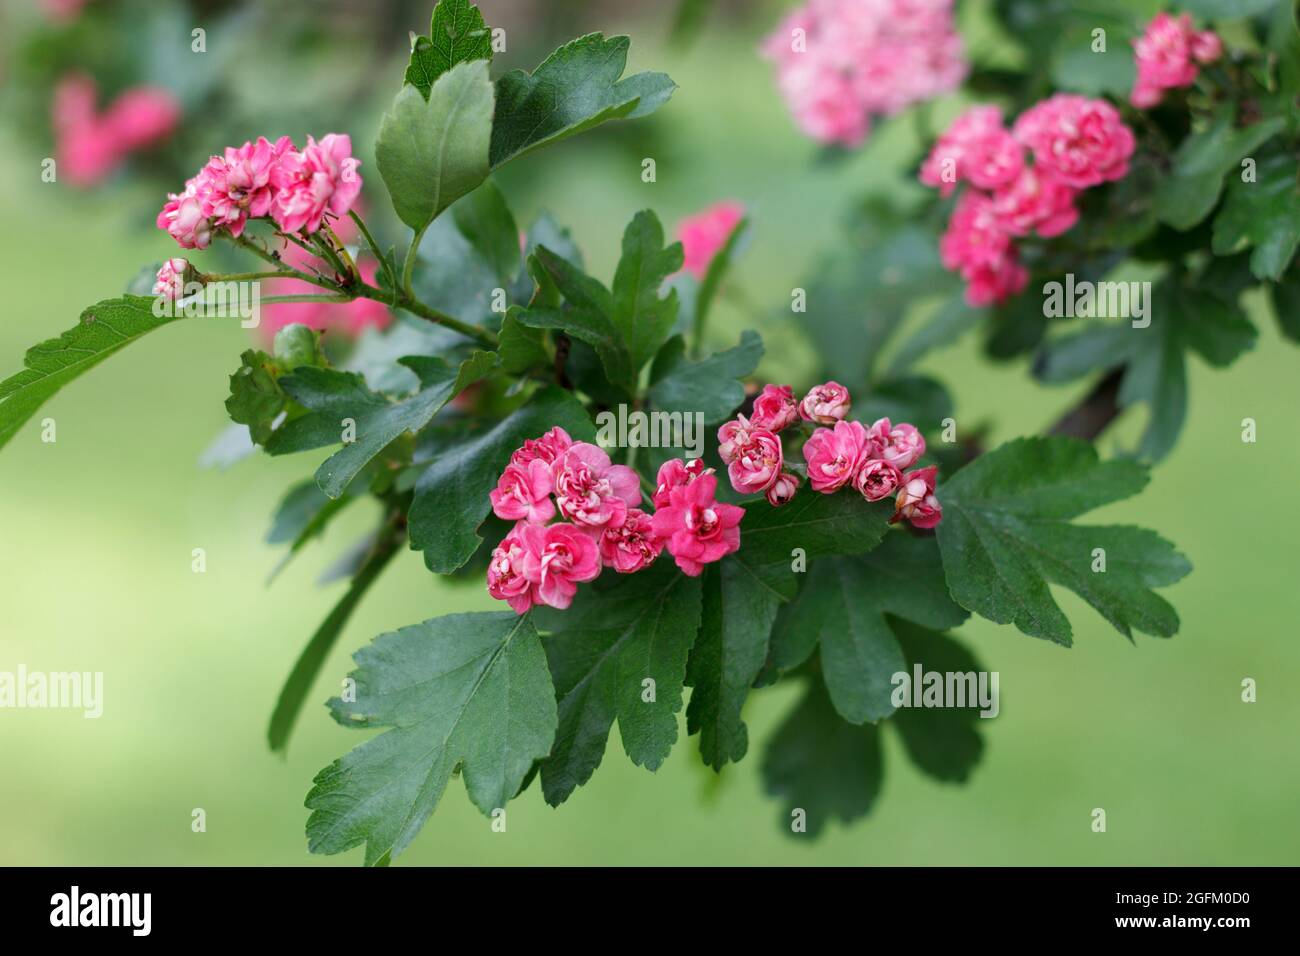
x,y
97,529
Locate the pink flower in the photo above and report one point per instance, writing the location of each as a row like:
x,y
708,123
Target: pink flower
x,y
1035,202
556,559
505,577
825,404
170,282
733,436
141,117
899,445
834,455
523,493
695,527
239,182
703,235
590,491
183,218
783,489
877,479
1167,55
631,547
975,235
993,283
674,473
322,178
775,408
757,464
840,62
977,149
546,449
1077,140
916,501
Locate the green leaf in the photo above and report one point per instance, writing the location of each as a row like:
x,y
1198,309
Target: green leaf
x,y
256,399
484,219
943,742
844,608
467,692
1193,186
711,386
821,765
617,634
576,88
335,398
456,35
1006,535
103,329
302,514
1226,9
1285,298
1264,214
430,153
642,318
451,497
520,347
308,666
744,592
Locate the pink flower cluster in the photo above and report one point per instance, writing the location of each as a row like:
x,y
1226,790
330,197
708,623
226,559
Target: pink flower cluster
x,y
842,453
88,144
296,189
542,561
1169,54
840,62
1074,142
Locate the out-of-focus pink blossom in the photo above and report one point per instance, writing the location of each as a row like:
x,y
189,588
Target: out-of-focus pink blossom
x,y
1168,54
975,235
993,283
141,117
1077,140
840,62
62,10
1036,203
348,319
695,527
322,178
631,546
834,455
89,146
704,234
976,149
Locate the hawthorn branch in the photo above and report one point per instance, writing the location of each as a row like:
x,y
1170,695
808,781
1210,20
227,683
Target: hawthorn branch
x,y
1095,413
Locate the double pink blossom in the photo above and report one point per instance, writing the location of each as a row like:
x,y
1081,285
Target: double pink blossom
x,y
1078,140
775,408
556,559
978,246
523,493
1034,202
592,492
695,527
757,463
899,445
703,235
916,501
1169,54
506,580
321,178
170,281
239,182
183,218
548,448
674,473
633,545
834,455
825,404
877,479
